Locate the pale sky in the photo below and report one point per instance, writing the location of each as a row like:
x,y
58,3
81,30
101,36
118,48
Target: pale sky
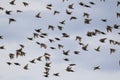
x,y
17,32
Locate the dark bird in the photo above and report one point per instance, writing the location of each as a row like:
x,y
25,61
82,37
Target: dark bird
x,y
60,46
87,21
58,39
30,38
76,52
56,12
72,64
9,63
49,6
25,67
112,41
62,22
52,48
12,2
78,38
87,6
56,74
51,40
66,52
48,64
118,3
86,15
38,15
25,4
39,58
21,45
69,69
38,30
102,40
65,35
18,64
66,59
11,20
47,56
60,27
11,56
116,26
81,3
104,20
96,68
98,48
112,50
1,8
85,47
2,47
109,28
68,12
118,15
92,3
1,37
8,12
51,27
73,17
43,45
32,61
70,6
35,35
18,11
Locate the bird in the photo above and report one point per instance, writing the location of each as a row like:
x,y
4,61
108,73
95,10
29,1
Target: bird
x,y
56,12
69,69
60,46
8,12
104,20
109,28
11,20
86,15
52,48
116,26
68,12
62,22
38,30
38,15
9,63
48,64
12,2
25,67
118,15
21,45
97,49
18,11
32,61
78,38
76,52
43,45
30,38
87,21
11,56
58,39
51,40
65,35
118,3
66,52
60,27
70,6
81,3
112,50
51,27
56,74
96,68
1,37
39,58
25,4
16,63
35,35
85,47
66,59
92,3
1,8
2,47
102,40
73,17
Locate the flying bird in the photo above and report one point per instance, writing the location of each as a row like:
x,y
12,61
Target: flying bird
x,y
11,20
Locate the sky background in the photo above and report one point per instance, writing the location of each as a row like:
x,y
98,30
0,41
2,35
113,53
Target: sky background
x,y
17,32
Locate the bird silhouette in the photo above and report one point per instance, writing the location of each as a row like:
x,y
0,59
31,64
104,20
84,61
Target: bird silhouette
x,y
76,52
25,67
97,49
9,63
17,64
2,47
102,40
56,74
60,27
8,12
109,29
68,12
118,3
56,12
85,47
66,52
1,8
25,4
1,37
38,15
96,68
118,15
12,2
70,6
11,56
11,20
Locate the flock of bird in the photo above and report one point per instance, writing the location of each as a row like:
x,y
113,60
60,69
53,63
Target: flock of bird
x,y
40,34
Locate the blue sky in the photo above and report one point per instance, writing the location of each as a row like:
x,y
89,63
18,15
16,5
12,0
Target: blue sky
x,y
17,32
